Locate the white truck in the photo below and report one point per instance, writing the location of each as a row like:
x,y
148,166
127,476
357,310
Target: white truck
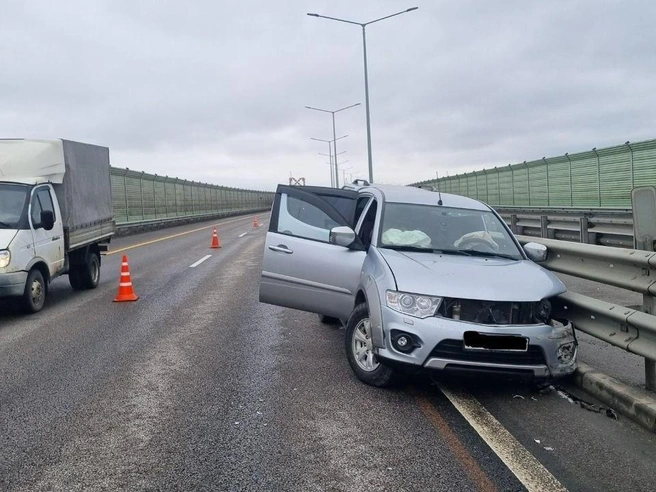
x,y
56,216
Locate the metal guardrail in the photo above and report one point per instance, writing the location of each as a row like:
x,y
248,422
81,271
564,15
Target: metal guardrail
x,y
613,227
630,328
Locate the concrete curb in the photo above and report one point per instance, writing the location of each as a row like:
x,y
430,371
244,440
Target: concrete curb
x,y
637,404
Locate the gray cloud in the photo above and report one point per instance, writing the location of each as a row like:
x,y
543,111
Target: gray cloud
x,y
215,91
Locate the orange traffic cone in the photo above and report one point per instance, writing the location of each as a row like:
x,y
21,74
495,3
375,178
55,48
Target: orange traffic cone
x,y
216,244
255,222
125,289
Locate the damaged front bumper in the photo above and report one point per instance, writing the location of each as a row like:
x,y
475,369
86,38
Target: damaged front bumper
x,y
551,349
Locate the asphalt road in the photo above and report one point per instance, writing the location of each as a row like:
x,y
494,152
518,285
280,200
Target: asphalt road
x,y
198,386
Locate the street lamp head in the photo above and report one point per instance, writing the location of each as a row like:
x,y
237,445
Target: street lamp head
x,y
409,10
313,15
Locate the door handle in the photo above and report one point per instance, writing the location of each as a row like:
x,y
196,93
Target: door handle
x,y
56,238
281,248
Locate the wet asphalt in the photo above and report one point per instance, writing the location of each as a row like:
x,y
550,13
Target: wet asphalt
x,y
198,386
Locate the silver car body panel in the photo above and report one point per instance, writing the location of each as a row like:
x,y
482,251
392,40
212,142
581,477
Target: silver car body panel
x,y
495,279
315,276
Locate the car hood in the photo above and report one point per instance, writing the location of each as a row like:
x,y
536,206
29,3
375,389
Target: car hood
x,y
6,237
469,277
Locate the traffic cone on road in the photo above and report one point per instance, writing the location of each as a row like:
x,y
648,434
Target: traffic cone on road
x,y
216,244
255,222
125,288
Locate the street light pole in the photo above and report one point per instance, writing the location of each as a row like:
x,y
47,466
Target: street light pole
x,y
366,75
370,157
330,156
334,133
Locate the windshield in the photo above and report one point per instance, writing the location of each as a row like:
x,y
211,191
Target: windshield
x,y
13,206
449,230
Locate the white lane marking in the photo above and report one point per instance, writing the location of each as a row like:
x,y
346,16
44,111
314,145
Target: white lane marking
x,y
204,258
533,475
242,235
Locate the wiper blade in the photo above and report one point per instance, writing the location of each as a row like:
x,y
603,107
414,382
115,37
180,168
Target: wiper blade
x,y
408,248
475,252
453,252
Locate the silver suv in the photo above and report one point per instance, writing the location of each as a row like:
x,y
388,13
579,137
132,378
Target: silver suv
x,y
420,279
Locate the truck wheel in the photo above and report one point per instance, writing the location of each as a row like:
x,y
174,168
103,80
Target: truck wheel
x,y
359,351
74,278
90,273
35,292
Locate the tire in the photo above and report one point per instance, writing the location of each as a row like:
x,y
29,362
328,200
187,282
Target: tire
x,y
359,351
34,296
90,273
74,278
328,320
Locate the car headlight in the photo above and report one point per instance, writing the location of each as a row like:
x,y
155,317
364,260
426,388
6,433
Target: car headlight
x,y
5,258
413,304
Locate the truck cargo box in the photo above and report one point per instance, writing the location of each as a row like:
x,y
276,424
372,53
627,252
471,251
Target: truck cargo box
x,y
80,175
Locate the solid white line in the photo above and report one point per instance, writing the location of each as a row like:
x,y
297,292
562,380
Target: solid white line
x,y
204,258
533,475
242,235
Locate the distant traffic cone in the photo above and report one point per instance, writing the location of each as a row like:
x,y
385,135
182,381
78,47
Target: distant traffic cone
x,y
255,222
216,244
125,289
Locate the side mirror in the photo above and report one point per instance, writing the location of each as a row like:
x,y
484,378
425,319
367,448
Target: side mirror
x,y
47,220
536,252
342,236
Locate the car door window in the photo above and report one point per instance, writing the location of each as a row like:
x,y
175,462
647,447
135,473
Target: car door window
x,y
297,217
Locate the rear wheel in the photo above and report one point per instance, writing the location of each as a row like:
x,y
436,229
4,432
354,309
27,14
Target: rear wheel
x,y
35,292
90,272
359,351
74,278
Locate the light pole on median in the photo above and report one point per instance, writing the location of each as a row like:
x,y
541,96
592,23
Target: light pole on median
x,y
366,76
334,134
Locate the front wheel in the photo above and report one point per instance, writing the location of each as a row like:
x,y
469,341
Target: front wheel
x,y
35,292
359,351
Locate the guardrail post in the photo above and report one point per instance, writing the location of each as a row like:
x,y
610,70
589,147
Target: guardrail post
x,y
649,307
584,235
544,229
513,224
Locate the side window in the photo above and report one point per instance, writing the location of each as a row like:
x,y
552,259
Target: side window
x,y
41,201
46,200
36,210
302,219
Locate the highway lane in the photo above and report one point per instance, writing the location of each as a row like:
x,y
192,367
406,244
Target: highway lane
x,y
197,385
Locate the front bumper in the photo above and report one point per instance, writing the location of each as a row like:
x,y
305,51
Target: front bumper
x,y
441,347
12,284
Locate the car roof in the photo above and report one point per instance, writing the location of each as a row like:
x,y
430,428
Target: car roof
x,y
419,196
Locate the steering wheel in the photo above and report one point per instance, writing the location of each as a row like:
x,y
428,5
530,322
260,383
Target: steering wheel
x,y
477,244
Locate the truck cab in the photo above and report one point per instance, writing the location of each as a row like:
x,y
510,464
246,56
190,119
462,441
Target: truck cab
x,y
31,237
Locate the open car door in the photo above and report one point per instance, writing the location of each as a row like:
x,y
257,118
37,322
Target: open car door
x,y
301,269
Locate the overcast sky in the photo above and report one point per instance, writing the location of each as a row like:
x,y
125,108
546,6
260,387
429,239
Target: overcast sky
x,y
215,90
